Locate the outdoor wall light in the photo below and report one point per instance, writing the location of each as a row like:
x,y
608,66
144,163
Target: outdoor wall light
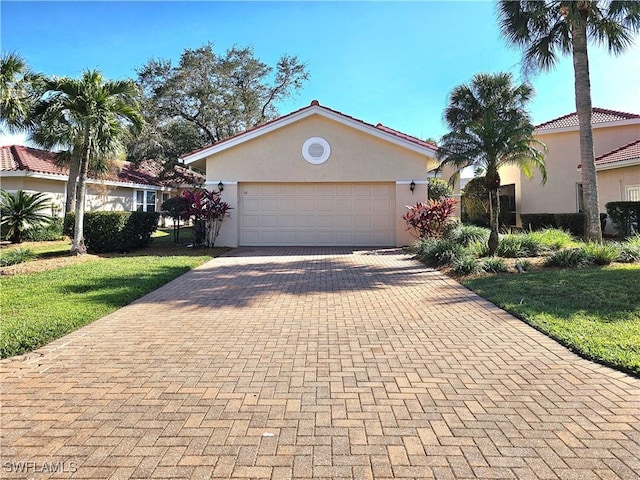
x,y
220,186
412,186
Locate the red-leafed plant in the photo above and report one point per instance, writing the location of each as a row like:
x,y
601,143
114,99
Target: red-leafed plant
x,y
429,219
208,211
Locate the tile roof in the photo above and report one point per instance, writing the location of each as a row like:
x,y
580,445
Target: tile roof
x,y
631,151
599,115
314,104
19,158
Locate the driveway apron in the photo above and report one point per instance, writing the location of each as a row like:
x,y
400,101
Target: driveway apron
x,y
273,363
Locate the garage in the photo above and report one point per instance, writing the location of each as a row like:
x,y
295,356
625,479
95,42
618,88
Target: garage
x,y
317,214
317,177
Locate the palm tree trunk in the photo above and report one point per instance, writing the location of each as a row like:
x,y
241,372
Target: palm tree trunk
x,y
593,231
72,186
78,247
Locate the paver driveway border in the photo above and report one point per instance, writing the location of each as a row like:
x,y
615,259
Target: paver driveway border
x,y
314,363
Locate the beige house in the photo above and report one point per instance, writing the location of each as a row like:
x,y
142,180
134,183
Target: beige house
x,y
127,188
614,134
317,177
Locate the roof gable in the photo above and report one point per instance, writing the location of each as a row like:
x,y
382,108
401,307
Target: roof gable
x,y
599,116
379,131
620,156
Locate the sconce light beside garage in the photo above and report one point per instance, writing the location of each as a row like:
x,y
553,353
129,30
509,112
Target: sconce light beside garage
x,y
220,186
412,186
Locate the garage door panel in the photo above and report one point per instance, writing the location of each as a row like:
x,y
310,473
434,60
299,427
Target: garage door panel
x,y
317,214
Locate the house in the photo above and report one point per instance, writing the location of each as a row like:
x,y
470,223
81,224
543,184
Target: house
x,y
317,177
615,138
125,188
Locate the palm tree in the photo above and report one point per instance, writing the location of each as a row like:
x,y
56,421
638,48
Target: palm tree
x,y
96,112
491,128
544,29
23,211
19,89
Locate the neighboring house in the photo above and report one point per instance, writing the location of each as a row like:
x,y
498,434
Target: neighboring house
x,y
317,177
617,165
127,188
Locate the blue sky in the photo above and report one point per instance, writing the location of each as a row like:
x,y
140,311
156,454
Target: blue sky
x,y
389,62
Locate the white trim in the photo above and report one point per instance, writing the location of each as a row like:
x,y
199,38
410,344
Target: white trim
x,y
408,182
621,164
617,123
292,118
628,189
215,184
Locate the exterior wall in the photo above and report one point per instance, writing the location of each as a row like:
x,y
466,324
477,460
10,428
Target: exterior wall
x,y
108,198
355,157
612,184
55,189
559,194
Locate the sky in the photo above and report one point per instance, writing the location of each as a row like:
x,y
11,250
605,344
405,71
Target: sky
x,y
388,62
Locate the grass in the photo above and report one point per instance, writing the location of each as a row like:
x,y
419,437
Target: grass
x,y
595,312
81,293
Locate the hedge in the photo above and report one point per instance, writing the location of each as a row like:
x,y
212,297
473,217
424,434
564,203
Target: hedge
x,y
624,214
115,231
538,221
573,222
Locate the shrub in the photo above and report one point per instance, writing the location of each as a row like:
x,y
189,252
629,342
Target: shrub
x,y
15,255
517,245
468,234
22,212
538,221
624,215
475,202
115,231
573,222
45,233
438,188
524,264
467,265
437,252
628,253
494,264
601,253
429,219
552,238
568,258
479,248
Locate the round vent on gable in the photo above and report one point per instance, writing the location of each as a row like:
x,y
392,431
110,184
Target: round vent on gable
x,y
316,150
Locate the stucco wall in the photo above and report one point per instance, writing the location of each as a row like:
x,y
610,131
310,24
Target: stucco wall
x,y
612,184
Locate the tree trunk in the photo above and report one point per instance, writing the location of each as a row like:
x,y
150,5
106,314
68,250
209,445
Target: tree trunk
x,y
593,231
78,247
494,220
72,185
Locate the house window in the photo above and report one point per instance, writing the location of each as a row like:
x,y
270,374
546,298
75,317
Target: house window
x,y
633,193
145,201
579,198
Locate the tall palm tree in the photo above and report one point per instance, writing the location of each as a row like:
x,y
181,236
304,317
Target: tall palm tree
x,y
99,110
547,28
19,89
491,128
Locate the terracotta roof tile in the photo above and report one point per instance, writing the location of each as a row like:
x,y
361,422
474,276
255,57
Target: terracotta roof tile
x,y
20,158
599,115
314,104
627,152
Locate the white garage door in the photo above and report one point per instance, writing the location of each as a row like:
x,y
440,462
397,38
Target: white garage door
x,y
347,214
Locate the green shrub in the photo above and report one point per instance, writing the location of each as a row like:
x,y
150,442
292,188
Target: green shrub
x,y
467,265
538,221
524,264
438,188
624,215
494,264
601,253
479,248
516,245
568,258
475,202
115,231
437,252
552,238
634,240
15,255
45,233
573,222
628,253
467,234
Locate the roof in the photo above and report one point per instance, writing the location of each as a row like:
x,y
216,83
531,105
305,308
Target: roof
x,y
626,153
18,158
379,130
599,116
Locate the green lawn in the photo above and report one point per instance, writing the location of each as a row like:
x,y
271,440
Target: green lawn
x,y
595,312
40,307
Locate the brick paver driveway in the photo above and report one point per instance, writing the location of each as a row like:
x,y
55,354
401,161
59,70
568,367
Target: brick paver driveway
x,y
281,363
